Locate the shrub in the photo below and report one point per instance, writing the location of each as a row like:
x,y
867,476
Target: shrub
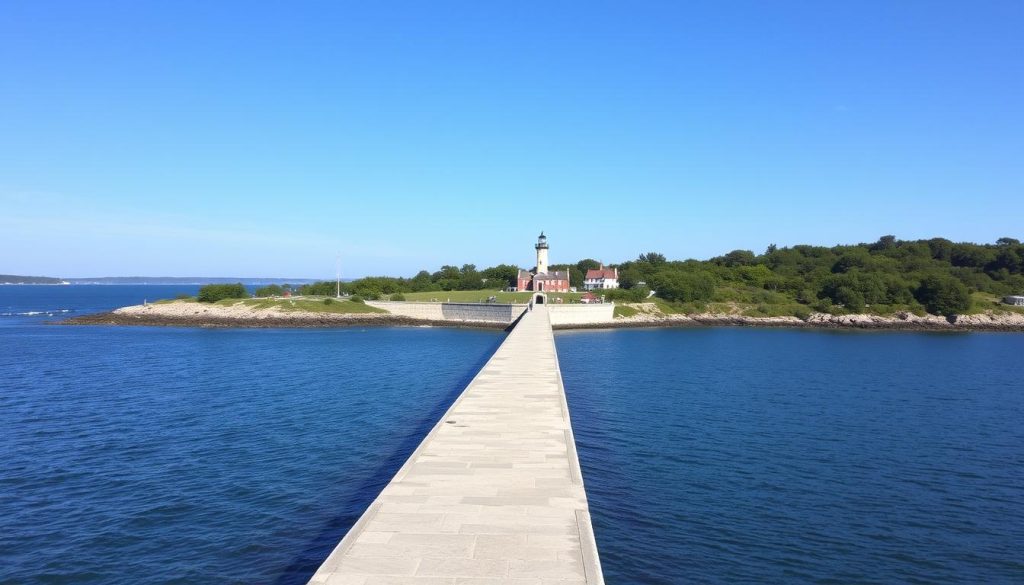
x,y
356,299
212,293
850,298
684,286
802,313
943,295
183,297
328,301
823,305
398,297
636,294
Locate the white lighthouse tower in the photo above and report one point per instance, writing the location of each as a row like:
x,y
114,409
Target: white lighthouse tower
x,y
543,280
542,254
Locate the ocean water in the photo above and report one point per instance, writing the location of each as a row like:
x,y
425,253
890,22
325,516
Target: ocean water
x,y
22,305
173,455
778,456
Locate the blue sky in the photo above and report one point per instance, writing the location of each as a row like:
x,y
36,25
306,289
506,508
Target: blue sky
x,y
265,138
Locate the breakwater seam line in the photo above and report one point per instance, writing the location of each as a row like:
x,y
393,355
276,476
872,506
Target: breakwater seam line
x,y
570,452
588,542
588,549
570,438
357,528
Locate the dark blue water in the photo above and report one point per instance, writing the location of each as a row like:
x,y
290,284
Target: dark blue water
x,y
165,455
771,456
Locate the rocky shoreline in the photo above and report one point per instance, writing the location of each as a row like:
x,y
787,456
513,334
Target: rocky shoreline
x,y
217,316
1010,322
196,315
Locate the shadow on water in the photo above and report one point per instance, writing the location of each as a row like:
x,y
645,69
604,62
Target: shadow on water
x,y
302,568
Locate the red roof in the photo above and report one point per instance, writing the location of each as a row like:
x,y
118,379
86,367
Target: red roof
x,y
598,273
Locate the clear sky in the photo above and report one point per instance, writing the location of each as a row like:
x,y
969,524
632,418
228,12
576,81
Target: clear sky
x,y
199,138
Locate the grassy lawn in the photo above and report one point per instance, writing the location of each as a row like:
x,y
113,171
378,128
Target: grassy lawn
x,y
178,299
480,296
981,302
624,311
309,304
748,309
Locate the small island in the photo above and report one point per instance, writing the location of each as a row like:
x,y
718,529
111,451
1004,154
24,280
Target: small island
x,y
931,284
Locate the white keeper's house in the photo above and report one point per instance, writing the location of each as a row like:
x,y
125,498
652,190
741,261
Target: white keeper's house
x,y
601,278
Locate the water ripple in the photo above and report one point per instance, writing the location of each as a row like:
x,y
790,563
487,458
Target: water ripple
x,y
192,456
744,456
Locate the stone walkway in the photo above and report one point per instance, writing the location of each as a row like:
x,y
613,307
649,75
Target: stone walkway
x,y
492,495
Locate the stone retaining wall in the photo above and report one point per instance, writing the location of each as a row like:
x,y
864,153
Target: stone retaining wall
x,y
431,311
461,312
481,312
581,314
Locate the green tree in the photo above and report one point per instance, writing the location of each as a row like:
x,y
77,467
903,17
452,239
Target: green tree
x,y
326,288
421,282
212,293
1009,257
634,295
652,258
271,290
469,278
884,243
737,258
971,255
942,249
447,278
501,276
943,295
755,276
629,277
898,291
373,287
854,259
850,298
675,285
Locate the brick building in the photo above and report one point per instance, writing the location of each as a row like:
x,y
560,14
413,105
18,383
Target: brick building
x,y
543,280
